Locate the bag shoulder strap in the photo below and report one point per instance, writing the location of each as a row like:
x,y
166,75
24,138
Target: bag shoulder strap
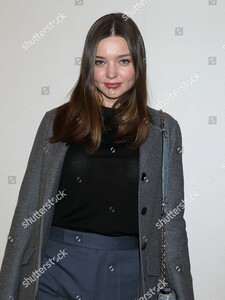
x,y
164,192
164,160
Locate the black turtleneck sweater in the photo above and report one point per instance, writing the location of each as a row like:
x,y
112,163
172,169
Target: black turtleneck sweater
x,y
101,188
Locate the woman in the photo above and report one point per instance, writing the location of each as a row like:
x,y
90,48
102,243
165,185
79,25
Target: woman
x,y
85,226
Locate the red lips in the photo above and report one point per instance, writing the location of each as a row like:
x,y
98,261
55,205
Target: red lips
x,y
112,85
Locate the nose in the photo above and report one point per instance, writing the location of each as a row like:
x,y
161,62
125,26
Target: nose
x,y
111,71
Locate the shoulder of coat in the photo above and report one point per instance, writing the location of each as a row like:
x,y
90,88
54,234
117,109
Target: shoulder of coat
x,y
51,114
155,116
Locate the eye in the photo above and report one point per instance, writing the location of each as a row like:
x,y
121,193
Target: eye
x,y
99,62
125,61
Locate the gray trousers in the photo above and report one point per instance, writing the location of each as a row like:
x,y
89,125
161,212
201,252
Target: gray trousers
x,y
88,266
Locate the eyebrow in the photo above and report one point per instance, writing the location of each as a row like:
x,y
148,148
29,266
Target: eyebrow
x,y
120,56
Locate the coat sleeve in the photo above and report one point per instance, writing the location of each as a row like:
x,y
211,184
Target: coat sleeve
x,y
177,253
26,205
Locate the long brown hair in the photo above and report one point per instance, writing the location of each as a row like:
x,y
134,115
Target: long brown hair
x,y
80,119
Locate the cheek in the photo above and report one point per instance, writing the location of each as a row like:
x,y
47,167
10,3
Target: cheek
x,y
129,75
98,74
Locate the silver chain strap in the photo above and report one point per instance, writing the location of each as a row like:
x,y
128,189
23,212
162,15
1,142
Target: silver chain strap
x,y
163,208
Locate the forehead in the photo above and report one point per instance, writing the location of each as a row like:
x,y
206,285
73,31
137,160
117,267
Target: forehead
x,y
113,45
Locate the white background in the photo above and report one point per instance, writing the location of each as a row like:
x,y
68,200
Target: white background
x,y
172,59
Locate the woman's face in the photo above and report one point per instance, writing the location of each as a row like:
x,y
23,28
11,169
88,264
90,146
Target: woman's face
x,y
114,72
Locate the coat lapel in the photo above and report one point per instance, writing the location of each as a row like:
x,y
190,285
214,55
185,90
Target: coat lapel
x,y
148,147
57,154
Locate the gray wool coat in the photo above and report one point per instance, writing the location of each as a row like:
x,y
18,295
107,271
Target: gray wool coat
x,y
25,246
